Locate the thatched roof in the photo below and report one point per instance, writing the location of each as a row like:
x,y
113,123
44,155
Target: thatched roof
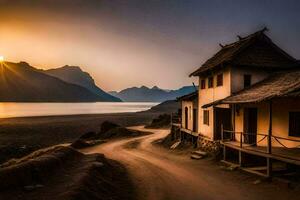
x,y
256,50
188,97
280,84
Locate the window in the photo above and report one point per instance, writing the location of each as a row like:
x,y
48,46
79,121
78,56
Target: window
x,y
206,117
294,124
211,82
203,84
219,79
247,80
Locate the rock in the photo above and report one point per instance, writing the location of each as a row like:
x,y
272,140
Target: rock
x,y
119,132
78,144
107,125
32,187
98,164
88,135
200,153
206,145
196,157
258,181
161,121
232,167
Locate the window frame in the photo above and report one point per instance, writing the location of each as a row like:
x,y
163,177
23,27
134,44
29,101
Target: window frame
x,y
220,80
203,84
295,124
206,117
210,83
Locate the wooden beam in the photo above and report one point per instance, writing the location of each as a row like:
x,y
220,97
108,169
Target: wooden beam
x,y
269,160
270,128
269,167
240,159
224,152
233,128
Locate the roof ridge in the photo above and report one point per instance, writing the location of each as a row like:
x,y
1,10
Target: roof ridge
x,y
250,36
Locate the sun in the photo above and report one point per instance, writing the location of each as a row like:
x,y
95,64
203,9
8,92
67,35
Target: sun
x,y
1,58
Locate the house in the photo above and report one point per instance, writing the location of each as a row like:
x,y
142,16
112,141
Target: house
x,y
189,116
234,68
266,123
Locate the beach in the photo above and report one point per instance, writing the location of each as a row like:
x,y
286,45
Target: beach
x,y
23,135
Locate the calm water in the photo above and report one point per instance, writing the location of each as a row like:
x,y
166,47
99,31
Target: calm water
x,y
47,109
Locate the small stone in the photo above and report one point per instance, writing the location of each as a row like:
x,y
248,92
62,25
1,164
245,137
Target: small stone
x,y
232,168
200,153
196,157
258,181
33,187
98,164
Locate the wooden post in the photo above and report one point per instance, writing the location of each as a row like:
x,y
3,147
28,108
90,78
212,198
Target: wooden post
x,y
241,139
270,129
269,160
224,152
180,135
233,128
175,132
222,139
222,133
240,159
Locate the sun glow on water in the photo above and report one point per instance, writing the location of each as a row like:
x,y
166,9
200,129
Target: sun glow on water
x,y
1,58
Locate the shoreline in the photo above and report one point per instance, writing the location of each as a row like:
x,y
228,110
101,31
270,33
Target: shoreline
x,y
30,109
67,115
37,132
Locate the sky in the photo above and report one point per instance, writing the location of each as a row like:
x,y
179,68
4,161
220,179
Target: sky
x,y
126,43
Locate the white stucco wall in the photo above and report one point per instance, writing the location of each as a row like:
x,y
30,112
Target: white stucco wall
x,y
190,105
209,95
237,77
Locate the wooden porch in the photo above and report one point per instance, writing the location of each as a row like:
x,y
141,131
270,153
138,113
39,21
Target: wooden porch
x,y
270,152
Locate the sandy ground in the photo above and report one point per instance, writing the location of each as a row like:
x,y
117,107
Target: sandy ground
x,y
62,173
160,174
21,136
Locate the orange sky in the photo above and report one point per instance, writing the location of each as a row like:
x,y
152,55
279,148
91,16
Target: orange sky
x,y
123,44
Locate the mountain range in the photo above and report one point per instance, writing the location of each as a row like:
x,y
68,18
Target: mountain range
x,y
74,75
20,82
154,94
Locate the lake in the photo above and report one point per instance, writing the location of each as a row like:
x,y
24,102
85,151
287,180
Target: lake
x,y
48,109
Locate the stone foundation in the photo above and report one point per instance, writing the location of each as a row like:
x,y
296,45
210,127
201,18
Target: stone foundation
x,y
213,147
201,142
175,132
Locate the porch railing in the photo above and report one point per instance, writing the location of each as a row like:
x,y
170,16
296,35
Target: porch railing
x,y
228,136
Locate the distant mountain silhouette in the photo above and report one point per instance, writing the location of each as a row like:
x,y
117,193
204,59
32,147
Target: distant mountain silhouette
x,y
20,82
155,94
75,75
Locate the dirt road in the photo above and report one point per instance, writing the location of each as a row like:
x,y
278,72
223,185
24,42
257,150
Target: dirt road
x,y
161,174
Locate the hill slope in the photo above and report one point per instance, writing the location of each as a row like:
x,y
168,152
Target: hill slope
x,y
20,82
155,94
75,75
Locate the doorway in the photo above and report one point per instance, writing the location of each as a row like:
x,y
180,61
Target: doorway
x,y
186,119
195,121
222,117
250,126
